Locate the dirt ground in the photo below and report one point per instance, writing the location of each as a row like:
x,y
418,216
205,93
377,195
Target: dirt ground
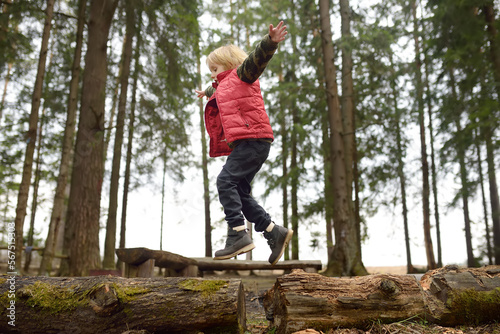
x,y
257,283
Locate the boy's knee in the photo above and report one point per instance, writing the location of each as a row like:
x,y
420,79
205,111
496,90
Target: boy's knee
x,y
222,181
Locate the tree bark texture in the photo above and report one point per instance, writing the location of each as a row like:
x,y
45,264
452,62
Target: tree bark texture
x,y
22,199
494,198
456,296
448,296
206,180
110,240
105,304
344,259
87,175
69,132
431,262
400,171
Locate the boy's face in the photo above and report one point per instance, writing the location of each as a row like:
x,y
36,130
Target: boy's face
x,y
215,69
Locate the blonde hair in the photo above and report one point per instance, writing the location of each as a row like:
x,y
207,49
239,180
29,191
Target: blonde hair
x,y
229,56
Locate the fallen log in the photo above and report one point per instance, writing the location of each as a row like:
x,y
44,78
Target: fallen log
x,y
302,300
105,304
456,296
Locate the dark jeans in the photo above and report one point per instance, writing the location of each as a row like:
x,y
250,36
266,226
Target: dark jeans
x,y
233,185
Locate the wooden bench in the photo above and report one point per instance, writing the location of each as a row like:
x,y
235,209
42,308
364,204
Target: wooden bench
x,y
140,262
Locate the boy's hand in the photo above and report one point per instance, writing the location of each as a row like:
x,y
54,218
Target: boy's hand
x,y
277,34
200,93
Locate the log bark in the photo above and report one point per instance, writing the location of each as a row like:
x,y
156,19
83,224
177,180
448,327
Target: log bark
x,y
106,304
449,296
456,296
301,300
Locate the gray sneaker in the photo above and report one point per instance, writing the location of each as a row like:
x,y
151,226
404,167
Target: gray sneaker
x,y
278,239
238,242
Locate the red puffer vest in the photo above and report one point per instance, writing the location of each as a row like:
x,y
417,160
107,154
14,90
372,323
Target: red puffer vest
x,y
235,111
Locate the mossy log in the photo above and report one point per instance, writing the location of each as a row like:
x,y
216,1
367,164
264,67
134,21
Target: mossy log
x,y
456,296
302,300
105,304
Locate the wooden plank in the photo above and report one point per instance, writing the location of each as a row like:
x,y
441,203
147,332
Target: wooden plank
x,y
207,263
163,259
166,259
134,256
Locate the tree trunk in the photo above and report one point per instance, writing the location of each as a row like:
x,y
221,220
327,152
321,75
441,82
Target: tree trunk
x,y
164,157
348,112
400,172
431,262
67,144
86,179
347,98
493,187
489,15
284,156
4,93
110,241
346,259
128,160
471,262
328,180
433,163
105,304
489,252
301,300
495,202
34,202
4,37
206,181
22,199
294,142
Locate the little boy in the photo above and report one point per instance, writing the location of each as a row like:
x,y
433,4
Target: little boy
x,y
238,126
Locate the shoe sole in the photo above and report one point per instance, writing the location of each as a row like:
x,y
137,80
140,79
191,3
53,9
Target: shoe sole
x,y
287,240
245,249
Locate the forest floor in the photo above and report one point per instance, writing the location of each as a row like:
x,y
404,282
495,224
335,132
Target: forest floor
x,y
257,284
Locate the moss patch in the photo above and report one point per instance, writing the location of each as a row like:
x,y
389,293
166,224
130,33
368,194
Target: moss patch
x,y
475,306
206,287
126,294
52,299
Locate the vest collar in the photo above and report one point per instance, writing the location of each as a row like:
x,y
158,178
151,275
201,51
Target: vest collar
x,y
222,75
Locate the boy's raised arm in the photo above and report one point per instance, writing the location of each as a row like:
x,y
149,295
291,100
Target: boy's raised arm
x,y
257,60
